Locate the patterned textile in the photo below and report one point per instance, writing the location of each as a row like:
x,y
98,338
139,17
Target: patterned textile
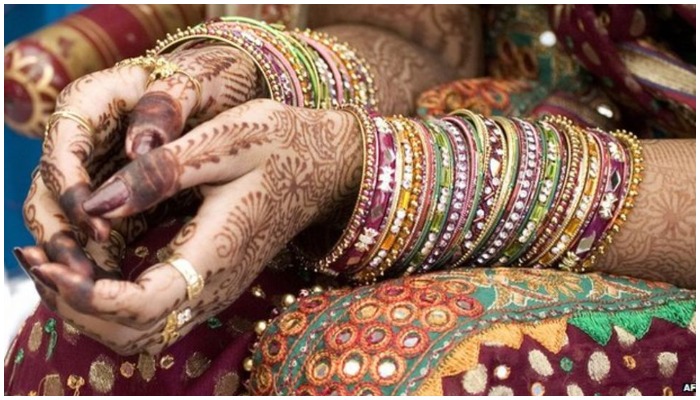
x,y
483,331
516,98
614,43
599,66
39,66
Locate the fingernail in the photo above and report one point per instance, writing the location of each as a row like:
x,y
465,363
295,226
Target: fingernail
x,y
145,142
38,275
21,259
107,198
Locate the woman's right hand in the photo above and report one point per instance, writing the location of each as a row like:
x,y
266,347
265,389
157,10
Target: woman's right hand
x,y
128,118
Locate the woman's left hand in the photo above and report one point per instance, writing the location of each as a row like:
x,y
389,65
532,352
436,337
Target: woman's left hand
x,y
266,171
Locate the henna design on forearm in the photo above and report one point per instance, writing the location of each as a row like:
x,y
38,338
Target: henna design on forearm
x,y
658,240
451,31
403,70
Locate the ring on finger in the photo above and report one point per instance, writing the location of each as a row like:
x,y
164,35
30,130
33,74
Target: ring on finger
x,y
71,115
160,68
195,282
173,323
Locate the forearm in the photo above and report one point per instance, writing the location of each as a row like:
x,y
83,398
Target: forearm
x,y
658,240
450,31
402,69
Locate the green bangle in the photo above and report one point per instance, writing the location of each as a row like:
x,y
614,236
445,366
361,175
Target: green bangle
x,y
444,167
546,191
296,49
483,150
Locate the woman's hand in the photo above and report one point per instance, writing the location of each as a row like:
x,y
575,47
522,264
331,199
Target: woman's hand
x,y
113,102
266,172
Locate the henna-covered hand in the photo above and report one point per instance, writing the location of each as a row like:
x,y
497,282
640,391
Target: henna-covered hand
x,y
113,102
266,172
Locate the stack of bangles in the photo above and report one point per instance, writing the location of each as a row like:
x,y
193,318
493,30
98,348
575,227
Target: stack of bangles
x,y
304,69
465,190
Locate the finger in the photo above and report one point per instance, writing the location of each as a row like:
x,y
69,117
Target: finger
x,y
45,287
220,150
55,235
139,304
99,99
209,80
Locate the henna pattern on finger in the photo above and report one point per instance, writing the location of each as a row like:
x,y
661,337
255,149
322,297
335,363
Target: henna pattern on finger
x,y
29,212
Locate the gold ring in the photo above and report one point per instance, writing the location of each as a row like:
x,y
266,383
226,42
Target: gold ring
x,y
71,115
160,68
175,321
195,282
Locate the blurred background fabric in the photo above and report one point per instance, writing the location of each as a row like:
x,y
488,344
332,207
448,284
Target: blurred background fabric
x,y
21,153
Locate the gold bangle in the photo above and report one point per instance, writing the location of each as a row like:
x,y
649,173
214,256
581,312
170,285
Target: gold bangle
x,y
506,175
71,115
578,192
582,209
371,267
161,68
563,191
636,159
195,282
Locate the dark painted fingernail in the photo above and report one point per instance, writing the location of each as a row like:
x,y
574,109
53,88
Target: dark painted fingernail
x,y
145,142
38,275
107,198
21,259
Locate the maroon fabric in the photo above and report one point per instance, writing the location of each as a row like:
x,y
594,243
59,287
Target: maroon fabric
x,y
645,376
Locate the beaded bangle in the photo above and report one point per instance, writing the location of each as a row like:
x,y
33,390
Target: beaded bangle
x,y
305,76
634,178
592,228
523,191
328,69
458,212
493,160
370,270
570,207
463,202
489,151
348,238
380,200
412,204
361,82
545,194
588,200
504,184
439,236
281,55
574,150
474,192
421,247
